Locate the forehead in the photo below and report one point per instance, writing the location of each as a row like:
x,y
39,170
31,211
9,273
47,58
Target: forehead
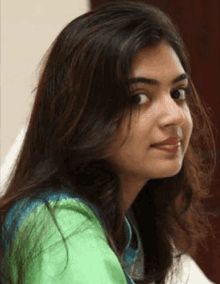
x,y
160,62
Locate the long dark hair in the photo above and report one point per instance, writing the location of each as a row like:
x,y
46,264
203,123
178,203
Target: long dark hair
x,y
81,99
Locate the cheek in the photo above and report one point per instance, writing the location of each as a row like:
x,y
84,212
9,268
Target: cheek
x,y
119,138
187,130
189,123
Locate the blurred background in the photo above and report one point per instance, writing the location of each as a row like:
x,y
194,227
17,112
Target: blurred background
x,y
29,27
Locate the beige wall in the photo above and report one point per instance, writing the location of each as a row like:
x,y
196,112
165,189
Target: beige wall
x,y
28,27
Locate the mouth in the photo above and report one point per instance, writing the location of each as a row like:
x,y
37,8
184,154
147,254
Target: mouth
x,y
168,146
170,141
171,148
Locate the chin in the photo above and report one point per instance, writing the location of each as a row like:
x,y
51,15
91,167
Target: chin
x,y
165,172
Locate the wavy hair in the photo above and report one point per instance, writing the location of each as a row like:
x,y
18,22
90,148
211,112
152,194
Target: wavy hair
x,y
76,113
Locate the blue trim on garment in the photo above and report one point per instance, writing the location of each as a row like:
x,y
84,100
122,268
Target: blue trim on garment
x,y
131,255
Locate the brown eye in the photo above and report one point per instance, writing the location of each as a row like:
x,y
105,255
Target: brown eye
x,y
184,92
139,99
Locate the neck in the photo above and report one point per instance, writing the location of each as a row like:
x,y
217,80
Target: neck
x,y
131,186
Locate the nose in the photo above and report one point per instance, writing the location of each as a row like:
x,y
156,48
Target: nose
x,y
170,110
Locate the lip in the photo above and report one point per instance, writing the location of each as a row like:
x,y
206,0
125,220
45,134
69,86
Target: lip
x,y
173,150
169,141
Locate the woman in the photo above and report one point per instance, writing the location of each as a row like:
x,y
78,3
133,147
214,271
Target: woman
x,y
115,84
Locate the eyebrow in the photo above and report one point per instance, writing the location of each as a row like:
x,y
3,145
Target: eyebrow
x,y
155,82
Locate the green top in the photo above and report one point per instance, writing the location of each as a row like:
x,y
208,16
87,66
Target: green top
x,y
90,258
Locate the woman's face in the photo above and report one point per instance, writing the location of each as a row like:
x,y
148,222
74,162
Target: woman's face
x,y
159,113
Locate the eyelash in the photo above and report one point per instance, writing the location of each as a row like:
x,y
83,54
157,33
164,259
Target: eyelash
x,y
186,89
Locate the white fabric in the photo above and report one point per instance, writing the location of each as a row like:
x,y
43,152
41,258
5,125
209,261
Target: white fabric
x,y
188,272
10,158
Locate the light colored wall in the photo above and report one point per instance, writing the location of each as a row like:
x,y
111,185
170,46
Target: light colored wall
x,y
28,27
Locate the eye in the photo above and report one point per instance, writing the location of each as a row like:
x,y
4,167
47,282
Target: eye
x,y
185,91
139,99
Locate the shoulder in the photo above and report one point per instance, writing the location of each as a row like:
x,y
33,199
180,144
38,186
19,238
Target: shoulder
x,y
85,247
51,209
69,210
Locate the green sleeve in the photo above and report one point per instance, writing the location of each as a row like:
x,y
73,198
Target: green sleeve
x,y
90,258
